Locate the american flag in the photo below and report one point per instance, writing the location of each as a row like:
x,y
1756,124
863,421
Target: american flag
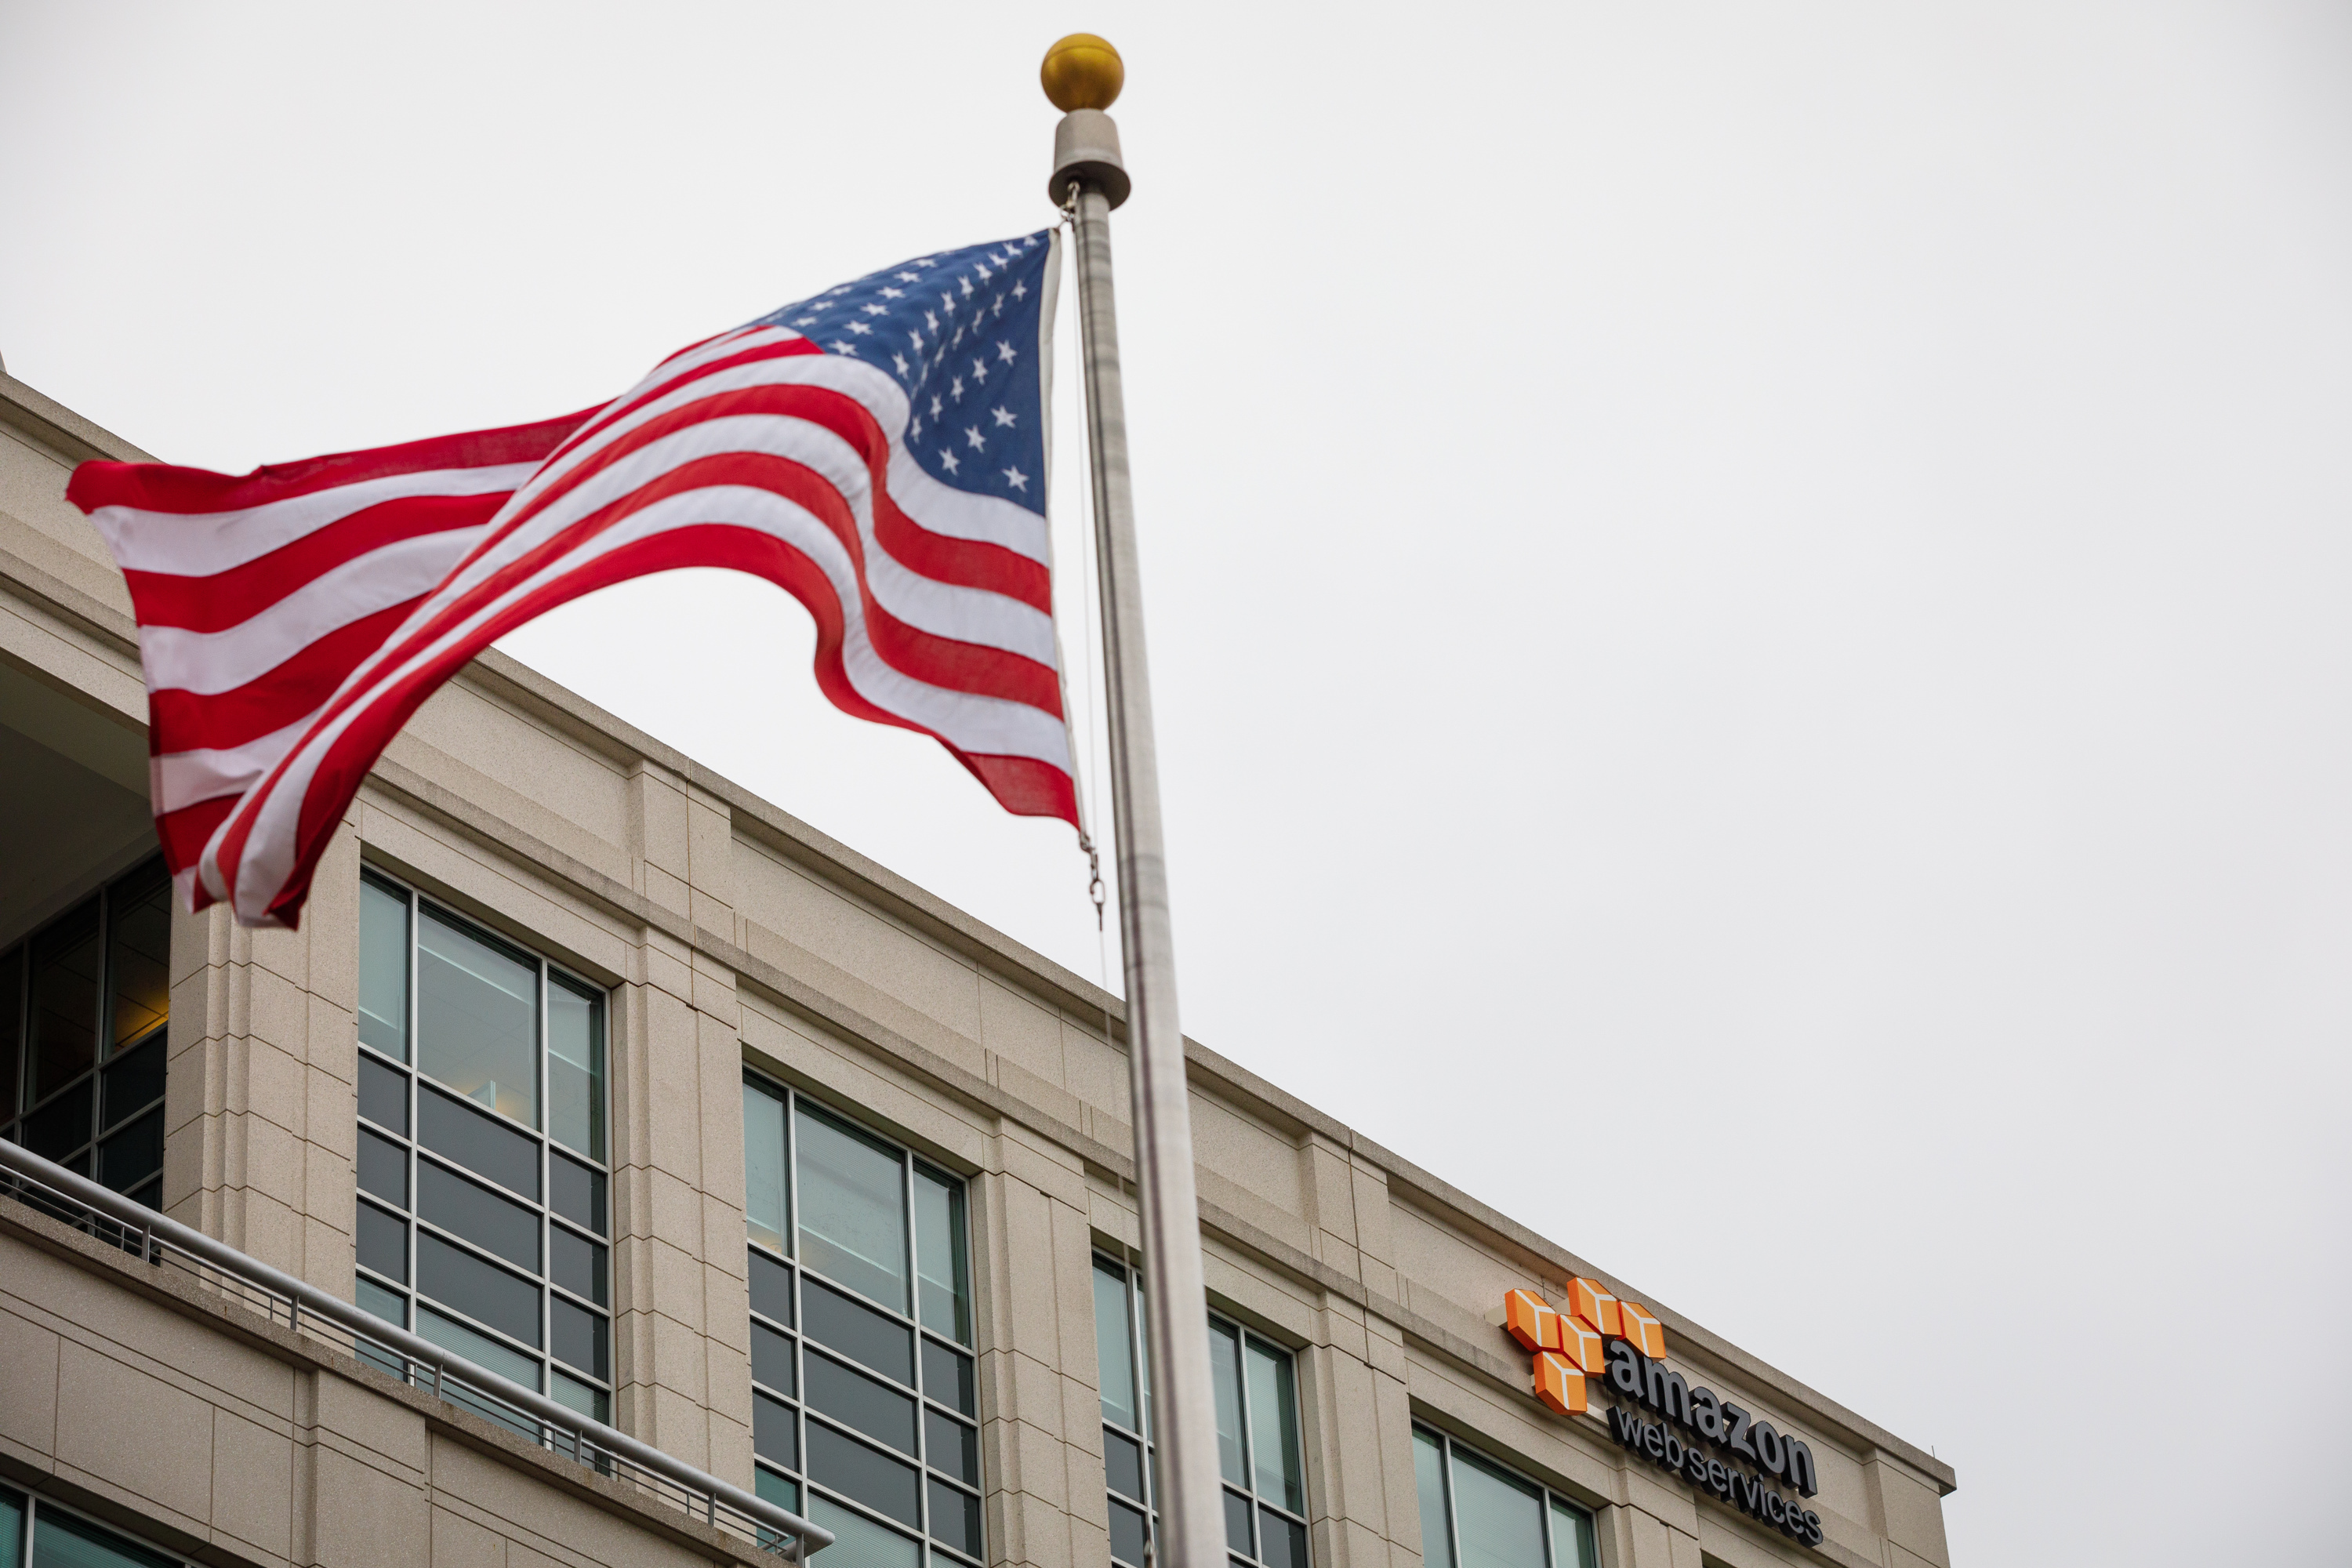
x,y
879,450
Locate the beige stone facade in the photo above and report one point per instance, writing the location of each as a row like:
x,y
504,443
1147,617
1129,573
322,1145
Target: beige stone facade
x,y
727,935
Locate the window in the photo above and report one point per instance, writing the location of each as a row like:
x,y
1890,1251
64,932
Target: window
x,y
83,1005
1476,1514
36,1530
864,1397
483,1221
1257,1431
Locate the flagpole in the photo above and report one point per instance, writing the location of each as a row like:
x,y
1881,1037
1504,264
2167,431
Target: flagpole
x,y
1081,75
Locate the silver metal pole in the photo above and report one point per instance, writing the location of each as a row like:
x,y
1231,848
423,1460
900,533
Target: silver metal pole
x,y
1192,1529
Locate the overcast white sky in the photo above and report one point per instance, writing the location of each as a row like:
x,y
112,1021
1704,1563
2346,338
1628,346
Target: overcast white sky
x,y
1763,585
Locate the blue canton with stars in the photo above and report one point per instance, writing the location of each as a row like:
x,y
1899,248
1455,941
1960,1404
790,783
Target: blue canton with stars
x,y
958,329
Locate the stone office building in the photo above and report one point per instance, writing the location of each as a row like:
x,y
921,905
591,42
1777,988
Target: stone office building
x,y
598,1072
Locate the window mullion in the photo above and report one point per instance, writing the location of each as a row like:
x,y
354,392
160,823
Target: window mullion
x,y
912,1261
546,1255
412,1047
1249,1428
1135,1355
1445,1472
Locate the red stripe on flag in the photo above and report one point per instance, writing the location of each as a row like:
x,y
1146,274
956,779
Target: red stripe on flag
x,y
160,487
189,722
622,407
184,832
964,563
336,780
230,599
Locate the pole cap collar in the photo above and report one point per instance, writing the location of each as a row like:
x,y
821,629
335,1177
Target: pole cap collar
x,y
1086,148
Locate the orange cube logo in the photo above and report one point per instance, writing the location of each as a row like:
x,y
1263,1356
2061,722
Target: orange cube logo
x,y
1582,1343
1560,1384
1528,1320
1596,1306
1647,1334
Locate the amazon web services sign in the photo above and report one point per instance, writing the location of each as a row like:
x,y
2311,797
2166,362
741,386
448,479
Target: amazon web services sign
x,y
1705,1439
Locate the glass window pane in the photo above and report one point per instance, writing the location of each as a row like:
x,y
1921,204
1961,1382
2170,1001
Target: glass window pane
x,y
478,1017
859,1542
857,1331
1114,1346
65,1001
480,1289
132,1081
574,1395
1129,1534
389,1305
139,954
383,1169
1429,1478
1142,1305
939,1255
578,1337
1571,1538
1226,1378
576,1066
129,1157
383,969
763,1167
771,1360
384,1095
955,1518
1285,1539
576,1263
772,1289
62,1126
485,1147
1498,1516
61,1540
1237,1524
858,1400
775,1432
1123,1463
855,1469
478,1214
12,1528
392,1308
853,1208
947,1377
950,1445
12,1033
480,1349
576,1192
383,1243
774,1488
1273,1422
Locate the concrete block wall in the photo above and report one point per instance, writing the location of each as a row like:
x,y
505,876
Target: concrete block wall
x,y
199,1427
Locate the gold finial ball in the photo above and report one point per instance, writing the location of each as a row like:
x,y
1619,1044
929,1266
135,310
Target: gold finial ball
x,y
1082,71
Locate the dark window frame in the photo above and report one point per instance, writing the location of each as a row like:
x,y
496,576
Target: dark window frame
x,y
406,1296
1148,1466
86,1156
31,1503
1550,1499
943,1405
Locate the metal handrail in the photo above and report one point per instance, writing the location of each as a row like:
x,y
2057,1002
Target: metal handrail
x,y
159,1239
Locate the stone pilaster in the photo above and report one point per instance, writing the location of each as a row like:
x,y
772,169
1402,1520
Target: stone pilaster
x,y
261,1105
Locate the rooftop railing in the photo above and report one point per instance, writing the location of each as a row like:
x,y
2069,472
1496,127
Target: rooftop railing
x,y
311,1313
